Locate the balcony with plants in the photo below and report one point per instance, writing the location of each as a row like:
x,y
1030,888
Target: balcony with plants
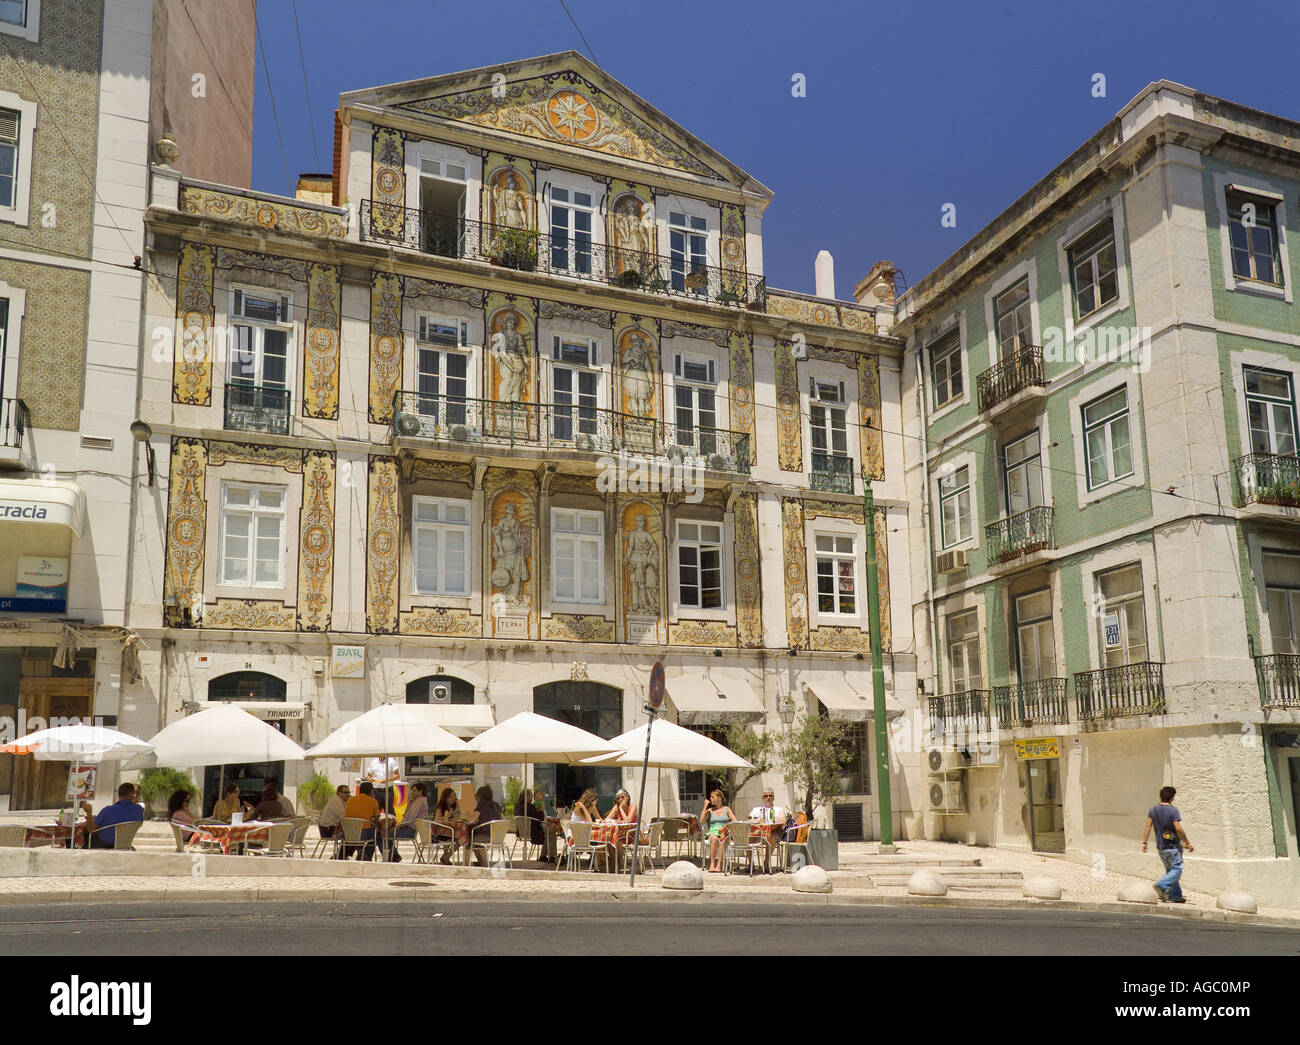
x,y
1020,540
1271,480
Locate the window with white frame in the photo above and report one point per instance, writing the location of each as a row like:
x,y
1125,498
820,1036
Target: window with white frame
x,y
442,367
13,12
954,506
577,556
696,394
1122,622
1093,270
1107,447
1013,320
10,124
252,535
575,386
699,565
1253,238
1035,641
1270,411
260,333
945,368
964,652
827,418
837,574
1022,472
1282,592
688,243
571,222
440,539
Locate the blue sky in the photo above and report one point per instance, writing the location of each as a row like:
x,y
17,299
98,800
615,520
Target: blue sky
x,y
908,106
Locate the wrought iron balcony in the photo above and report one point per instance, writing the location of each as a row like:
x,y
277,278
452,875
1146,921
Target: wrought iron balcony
x,y
530,251
257,408
1028,704
832,473
1020,534
15,419
1127,689
1268,479
1279,680
966,710
558,426
1020,371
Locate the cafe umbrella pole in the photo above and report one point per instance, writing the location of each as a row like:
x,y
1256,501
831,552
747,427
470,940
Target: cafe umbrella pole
x,y
640,802
877,674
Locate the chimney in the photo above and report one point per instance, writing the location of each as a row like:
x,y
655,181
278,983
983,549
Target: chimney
x,y
824,269
315,188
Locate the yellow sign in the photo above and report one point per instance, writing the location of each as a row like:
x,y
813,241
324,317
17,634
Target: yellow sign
x,y
1044,747
349,662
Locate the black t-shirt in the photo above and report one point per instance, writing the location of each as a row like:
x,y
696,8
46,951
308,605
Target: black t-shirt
x,y
1163,817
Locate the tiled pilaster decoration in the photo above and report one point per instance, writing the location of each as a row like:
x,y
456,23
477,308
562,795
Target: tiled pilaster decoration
x,y
316,542
641,574
320,372
789,433
741,350
510,543
636,357
873,448
387,184
749,593
385,344
383,542
796,571
511,366
192,369
733,248
187,514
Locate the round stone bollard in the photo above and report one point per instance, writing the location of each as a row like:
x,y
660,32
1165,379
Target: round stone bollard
x,y
811,879
1041,887
1237,900
1139,892
926,883
682,875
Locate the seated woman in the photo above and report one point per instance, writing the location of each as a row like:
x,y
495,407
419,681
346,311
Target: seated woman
x,y
527,806
714,819
447,812
178,812
230,804
485,811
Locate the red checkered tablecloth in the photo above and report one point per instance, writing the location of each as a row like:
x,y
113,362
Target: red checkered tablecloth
x,y
227,835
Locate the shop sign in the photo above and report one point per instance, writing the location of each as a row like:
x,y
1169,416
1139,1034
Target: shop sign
x,y
42,586
1043,747
349,662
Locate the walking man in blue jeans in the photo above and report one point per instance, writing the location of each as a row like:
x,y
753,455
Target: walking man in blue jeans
x,y
1170,840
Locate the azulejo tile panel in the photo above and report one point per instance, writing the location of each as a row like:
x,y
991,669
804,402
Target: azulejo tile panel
x,y
385,344
749,594
789,434
840,640
249,615
440,620
383,541
873,443
286,457
51,369
320,376
821,313
742,390
573,627
316,542
796,571
387,183
262,214
701,633
187,514
192,370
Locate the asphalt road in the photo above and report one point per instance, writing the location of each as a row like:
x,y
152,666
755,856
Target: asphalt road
x,y
292,928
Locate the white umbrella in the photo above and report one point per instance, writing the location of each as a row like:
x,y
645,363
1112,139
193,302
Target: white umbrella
x,y
390,729
78,744
219,736
671,747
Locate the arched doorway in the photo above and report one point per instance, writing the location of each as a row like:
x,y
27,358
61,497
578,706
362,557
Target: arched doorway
x,y
594,707
252,777
434,769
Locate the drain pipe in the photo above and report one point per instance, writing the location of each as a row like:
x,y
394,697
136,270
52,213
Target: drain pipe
x,y
925,518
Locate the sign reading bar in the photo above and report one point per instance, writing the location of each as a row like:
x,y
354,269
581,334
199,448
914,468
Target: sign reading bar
x,y
349,662
1043,747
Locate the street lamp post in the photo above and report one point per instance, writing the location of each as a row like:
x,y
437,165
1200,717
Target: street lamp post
x,y
877,674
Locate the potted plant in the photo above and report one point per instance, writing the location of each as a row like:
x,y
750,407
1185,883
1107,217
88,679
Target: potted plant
x,y
812,754
314,792
629,278
516,249
158,785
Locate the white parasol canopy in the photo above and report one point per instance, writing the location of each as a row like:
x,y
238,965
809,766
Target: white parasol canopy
x,y
531,738
219,736
81,743
390,729
671,747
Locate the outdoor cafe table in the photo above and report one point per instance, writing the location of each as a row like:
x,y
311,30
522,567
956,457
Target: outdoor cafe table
x,y
54,835
617,833
236,835
771,834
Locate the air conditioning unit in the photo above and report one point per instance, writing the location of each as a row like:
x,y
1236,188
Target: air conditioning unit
x,y
951,562
948,796
947,760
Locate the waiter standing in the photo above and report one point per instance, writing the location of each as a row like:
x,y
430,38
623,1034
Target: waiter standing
x,y
382,772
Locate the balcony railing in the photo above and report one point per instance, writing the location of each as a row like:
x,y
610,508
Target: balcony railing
x,y
530,251
964,711
1268,479
558,426
832,473
1128,689
15,419
1279,681
1022,370
1026,704
257,408
1020,534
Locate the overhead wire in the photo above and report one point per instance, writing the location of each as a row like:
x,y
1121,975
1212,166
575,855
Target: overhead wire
x,y
302,60
275,116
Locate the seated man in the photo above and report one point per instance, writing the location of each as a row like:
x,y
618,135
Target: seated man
x,y
123,811
768,812
333,812
362,806
269,808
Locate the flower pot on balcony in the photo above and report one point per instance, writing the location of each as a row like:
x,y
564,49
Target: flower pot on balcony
x,y
460,433
630,279
408,424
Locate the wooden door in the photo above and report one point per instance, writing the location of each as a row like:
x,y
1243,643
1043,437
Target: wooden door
x,y
43,785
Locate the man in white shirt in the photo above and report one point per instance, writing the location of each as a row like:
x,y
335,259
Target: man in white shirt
x,y
381,772
768,812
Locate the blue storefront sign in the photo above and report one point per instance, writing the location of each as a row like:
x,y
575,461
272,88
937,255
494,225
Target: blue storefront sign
x,y
42,586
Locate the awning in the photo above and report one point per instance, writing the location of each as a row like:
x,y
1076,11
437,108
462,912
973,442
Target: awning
x,y
464,720
703,700
847,702
55,503
266,709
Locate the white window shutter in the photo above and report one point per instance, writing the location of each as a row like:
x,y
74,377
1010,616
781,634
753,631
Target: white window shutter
x,y
677,364
595,352
555,347
8,125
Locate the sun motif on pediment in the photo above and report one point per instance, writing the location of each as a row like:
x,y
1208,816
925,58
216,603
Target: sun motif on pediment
x,y
571,116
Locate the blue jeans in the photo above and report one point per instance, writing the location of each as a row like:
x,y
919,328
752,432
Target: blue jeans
x,y
1173,861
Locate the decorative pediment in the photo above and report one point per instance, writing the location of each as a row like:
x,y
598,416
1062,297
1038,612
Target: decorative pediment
x,y
568,109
